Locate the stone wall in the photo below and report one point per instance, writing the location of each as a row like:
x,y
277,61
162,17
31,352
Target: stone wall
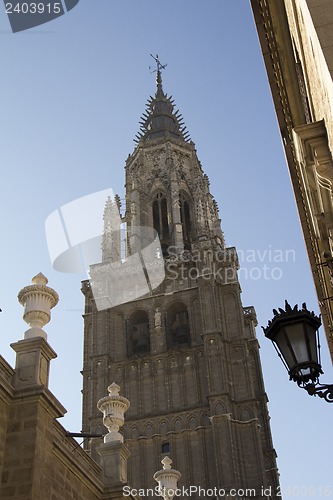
x,y
6,392
322,16
296,38
37,459
312,36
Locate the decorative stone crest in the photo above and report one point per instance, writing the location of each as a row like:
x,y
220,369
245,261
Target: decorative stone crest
x,y
37,300
113,408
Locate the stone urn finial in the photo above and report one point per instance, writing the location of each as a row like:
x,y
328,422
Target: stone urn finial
x,y
37,300
167,479
113,408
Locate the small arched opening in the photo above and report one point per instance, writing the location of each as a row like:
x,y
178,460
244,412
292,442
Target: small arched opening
x,y
138,333
177,327
185,218
161,221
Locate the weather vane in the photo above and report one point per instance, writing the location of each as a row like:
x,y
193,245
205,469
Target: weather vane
x,y
159,65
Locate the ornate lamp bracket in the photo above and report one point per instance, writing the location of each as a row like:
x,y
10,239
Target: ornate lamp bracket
x,y
324,391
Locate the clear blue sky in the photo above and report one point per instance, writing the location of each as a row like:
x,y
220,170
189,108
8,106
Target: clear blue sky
x,y
72,92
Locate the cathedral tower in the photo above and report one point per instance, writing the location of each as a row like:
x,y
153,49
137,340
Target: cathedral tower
x,y
185,354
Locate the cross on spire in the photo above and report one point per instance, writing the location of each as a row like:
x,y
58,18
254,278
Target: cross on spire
x,y
159,65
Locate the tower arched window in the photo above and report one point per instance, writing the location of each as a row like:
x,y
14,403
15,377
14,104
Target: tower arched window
x,y
138,333
165,448
160,216
160,221
185,218
178,328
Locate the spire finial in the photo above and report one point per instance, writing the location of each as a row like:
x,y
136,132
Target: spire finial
x,y
159,67
160,117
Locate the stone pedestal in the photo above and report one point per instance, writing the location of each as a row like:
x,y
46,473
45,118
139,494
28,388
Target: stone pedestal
x,y
33,354
33,358
113,452
114,458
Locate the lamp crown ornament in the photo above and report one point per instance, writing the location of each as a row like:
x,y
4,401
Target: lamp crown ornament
x,y
37,300
289,312
167,479
294,333
113,408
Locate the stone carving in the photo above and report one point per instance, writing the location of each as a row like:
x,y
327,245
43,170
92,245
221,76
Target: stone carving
x,y
167,479
158,321
37,299
113,408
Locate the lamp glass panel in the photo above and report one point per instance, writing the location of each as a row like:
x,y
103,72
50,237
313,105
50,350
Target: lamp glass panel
x,y
296,335
281,341
311,333
306,372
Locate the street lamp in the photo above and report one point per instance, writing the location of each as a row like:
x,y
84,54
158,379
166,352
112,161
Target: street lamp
x,y
294,334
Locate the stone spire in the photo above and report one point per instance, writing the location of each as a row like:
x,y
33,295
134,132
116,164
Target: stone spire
x,y
159,90
160,118
111,235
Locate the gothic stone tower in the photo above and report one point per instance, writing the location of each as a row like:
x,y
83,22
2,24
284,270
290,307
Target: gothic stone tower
x,y
185,354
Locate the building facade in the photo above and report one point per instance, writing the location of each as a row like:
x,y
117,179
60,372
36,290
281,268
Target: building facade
x,y
39,460
185,354
296,38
